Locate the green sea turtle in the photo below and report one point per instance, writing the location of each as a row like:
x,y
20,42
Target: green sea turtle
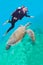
x,y
19,34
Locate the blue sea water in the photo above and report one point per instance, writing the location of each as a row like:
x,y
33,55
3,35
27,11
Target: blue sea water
x,y
23,53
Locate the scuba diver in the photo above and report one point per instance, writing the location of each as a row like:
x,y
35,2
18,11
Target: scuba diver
x,y
17,15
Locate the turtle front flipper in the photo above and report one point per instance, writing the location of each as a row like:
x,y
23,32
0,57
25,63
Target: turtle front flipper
x,y
31,34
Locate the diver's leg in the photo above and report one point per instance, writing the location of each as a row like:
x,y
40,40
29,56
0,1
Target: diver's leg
x,y
12,26
13,21
9,29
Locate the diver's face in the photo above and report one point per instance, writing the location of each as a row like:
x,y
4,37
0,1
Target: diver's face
x,y
25,9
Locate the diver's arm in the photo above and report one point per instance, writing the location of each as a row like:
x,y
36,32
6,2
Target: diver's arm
x,y
29,16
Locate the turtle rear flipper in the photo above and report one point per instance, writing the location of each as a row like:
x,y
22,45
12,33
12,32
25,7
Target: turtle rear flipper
x,y
8,47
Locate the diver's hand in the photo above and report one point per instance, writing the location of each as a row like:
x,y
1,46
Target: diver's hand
x,y
31,16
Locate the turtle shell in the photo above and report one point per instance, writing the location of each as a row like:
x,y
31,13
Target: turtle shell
x,y
17,35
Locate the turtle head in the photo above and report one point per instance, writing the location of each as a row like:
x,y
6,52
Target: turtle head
x,y
21,25
27,24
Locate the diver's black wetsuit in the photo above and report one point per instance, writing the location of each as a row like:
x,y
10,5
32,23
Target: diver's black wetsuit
x,y
19,14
